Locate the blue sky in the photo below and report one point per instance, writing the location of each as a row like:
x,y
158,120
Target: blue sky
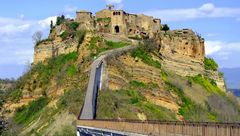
x,y
218,21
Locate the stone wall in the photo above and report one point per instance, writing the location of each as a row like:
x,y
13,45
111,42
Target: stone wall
x,y
105,13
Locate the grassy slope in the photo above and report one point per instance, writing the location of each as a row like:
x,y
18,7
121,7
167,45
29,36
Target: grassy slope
x,y
60,70
128,103
66,74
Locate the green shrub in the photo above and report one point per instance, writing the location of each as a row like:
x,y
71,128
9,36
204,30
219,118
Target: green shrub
x,y
135,83
26,114
189,109
16,95
113,45
64,35
126,103
135,96
144,56
210,86
93,42
72,70
54,67
186,103
80,35
210,64
73,25
60,20
165,27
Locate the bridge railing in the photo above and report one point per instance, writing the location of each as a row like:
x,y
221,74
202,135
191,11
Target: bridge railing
x,y
166,128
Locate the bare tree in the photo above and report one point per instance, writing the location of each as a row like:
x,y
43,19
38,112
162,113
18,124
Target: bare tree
x,y
37,37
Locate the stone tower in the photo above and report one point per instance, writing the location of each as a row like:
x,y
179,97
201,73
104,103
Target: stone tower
x,y
119,25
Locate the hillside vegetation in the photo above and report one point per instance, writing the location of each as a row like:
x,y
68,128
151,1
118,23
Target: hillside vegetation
x,y
48,98
197,98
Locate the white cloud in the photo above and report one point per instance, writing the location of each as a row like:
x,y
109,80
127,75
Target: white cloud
x,y
13,28
24,56
222,49
212,47
16,45
209,7
207,10
46,22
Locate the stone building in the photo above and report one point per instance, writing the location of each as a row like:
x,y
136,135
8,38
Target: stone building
x,y
85,18
119,22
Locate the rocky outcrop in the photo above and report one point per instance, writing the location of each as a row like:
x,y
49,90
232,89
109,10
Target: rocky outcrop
x,y
217,77
52,49
182,51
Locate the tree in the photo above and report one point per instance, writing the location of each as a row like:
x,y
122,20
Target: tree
x,y
165,27
60,20
62,17
51,25
37,37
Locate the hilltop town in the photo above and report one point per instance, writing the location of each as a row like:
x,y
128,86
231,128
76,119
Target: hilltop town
x,y
119,66
121,25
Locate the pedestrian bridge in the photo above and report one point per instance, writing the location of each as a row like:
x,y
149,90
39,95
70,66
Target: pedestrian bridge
x,y
156,128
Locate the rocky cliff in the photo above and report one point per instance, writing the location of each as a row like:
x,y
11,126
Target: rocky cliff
x,y
183,52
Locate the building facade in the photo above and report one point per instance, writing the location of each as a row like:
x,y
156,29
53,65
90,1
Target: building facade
x,y
118,22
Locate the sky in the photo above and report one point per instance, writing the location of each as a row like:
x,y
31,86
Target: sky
x,y
218,21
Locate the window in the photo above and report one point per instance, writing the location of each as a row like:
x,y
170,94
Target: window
x,y
116,13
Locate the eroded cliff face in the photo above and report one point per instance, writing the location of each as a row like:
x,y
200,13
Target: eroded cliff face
x,y
54,45
123,71
183,52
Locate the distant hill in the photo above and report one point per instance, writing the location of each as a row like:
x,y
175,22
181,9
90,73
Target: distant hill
x,y
232,77
236,92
